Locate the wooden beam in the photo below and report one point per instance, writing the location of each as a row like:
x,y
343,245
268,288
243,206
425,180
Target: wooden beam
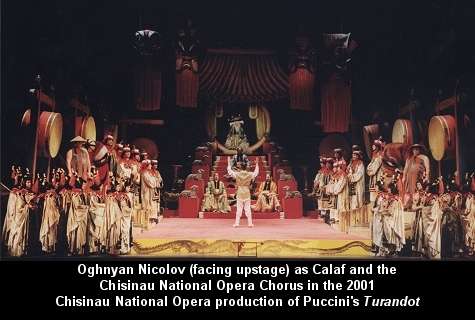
x,y
152,122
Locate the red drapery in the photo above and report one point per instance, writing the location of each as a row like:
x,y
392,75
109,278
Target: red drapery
x,y
187,84
147,86
242,76
336,105
302,89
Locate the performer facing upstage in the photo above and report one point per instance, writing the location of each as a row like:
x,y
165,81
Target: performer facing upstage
x,y
243,194
267,199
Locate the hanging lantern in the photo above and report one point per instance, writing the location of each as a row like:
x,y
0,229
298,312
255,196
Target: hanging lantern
x,y
336,86
147,75
302,75
187,79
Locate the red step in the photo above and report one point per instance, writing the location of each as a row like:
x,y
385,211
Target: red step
x,y
232,215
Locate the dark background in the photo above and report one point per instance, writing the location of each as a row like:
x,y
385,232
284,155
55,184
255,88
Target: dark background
x,y
85,48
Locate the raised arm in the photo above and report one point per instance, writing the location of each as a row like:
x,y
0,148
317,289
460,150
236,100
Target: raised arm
x,y
231,171
256,170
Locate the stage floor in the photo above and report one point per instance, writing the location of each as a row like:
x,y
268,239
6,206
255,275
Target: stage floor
x,y
269,238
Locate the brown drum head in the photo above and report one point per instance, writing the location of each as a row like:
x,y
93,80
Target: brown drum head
x,y
370,133
50,133
442,137
402,132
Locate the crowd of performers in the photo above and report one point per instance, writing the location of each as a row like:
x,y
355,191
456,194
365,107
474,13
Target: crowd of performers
x,y
441,215
89,208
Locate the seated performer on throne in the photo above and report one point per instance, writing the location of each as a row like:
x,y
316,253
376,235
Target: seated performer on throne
x,y
215,197
267,199
236,137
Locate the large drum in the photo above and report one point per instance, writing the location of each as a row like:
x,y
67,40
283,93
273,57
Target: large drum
x,y
85,127
333,141
402,132
148,145
370,133
50,133
442,137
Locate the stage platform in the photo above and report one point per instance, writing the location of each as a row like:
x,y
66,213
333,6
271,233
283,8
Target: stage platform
x,y
297,238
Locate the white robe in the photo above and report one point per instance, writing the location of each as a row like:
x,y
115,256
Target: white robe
x,y
357,200
469,222
374,171
49,223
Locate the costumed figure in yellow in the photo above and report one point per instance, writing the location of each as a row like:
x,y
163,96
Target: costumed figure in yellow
x,y
267,199
215,198
374,169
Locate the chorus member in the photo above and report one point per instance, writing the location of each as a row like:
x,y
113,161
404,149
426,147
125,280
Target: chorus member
x,y
16,176
374,169
111,228
356,180
216,198
125,167
50,221
77,159
243,195
135,188
148,186
24,204
338,188
267,199
338,158
77,215
159,184
388,222
96,219
469,221
415,169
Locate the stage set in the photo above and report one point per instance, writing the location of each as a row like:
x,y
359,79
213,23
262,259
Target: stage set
x,y
292,145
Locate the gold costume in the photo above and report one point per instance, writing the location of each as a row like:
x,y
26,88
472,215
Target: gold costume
x,y
267,199
215,198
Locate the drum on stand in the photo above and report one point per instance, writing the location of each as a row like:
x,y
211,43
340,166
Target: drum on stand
x,y
370,133
50,132
85,127
442,139
402,132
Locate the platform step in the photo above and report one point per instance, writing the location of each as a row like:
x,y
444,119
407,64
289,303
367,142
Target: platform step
x,y
232,215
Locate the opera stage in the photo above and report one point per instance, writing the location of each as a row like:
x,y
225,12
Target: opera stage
x,y
305,238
